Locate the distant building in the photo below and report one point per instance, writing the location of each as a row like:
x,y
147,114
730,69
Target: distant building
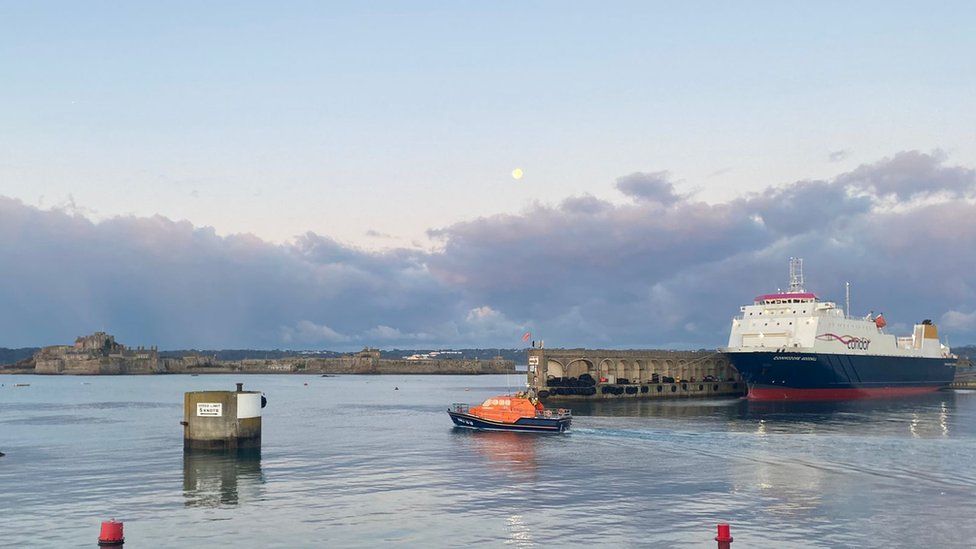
x,y
99,341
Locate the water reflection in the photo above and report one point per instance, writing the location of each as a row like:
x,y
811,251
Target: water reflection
x,y
509,452
685,408
212,479
923,416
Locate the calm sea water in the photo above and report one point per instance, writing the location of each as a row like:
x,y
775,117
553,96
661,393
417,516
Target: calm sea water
x,y
348,461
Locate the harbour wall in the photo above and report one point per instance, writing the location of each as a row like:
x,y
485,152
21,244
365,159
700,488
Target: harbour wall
x,y
598,374
353,364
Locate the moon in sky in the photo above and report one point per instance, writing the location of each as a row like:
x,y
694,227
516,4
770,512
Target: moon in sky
x,y
517,174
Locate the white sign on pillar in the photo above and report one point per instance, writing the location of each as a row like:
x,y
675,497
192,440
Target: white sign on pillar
x,y
210,409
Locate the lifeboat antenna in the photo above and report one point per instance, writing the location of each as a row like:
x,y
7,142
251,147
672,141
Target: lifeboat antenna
x,y
796,274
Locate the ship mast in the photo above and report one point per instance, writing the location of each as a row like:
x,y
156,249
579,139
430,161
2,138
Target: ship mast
x,y
796,275
847,292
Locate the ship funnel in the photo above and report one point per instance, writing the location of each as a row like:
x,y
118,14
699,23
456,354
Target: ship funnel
x,y
796,274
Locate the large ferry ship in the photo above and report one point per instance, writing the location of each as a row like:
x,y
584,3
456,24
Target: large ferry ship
x,y
792,345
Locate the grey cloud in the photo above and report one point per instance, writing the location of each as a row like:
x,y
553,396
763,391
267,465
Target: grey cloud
x,y
308,332
156,281
837,156
636,274
650,187
909,175
582,272
373,233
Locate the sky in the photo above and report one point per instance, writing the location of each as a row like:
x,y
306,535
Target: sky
x,y
316,175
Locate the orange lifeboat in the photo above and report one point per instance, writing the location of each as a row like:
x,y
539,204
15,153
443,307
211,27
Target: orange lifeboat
x,y
518,412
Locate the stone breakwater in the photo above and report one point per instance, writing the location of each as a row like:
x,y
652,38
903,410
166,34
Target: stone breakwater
x,y
599,374
100,354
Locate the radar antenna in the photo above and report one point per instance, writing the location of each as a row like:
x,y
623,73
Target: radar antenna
x,y
796,274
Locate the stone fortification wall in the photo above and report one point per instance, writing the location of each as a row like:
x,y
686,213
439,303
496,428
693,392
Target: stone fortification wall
x,y
75,365
100,354
367,361
344,365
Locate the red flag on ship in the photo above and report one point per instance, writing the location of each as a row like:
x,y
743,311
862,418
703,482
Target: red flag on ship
x,y
526,336
880,321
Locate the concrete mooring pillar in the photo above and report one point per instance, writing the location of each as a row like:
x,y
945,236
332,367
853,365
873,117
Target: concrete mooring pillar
x,y
222,420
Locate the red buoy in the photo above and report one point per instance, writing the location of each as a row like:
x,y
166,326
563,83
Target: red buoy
x,y
724,537
111,533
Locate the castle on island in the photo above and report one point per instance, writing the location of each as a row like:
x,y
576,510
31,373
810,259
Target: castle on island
x,y
97,353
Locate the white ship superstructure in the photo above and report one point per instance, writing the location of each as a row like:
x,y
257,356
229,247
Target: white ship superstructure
x,y
791,343
799,321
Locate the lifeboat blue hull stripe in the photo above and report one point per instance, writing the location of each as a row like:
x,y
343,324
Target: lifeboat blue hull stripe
x,y
522,424
837,371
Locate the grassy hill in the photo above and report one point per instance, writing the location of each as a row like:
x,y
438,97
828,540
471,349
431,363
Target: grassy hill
x,y
10,356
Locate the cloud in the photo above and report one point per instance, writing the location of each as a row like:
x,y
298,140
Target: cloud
x,y
639,275
307,331
956,320
383,333
373,233
158,281
909,175
660,270
648,187
838,155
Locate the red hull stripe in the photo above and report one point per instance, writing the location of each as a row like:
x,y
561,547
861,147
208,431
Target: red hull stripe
x,y
788,393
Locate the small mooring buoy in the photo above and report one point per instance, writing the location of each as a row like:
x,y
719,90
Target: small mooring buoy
x,y
111,534
724,537
222,420
396,388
